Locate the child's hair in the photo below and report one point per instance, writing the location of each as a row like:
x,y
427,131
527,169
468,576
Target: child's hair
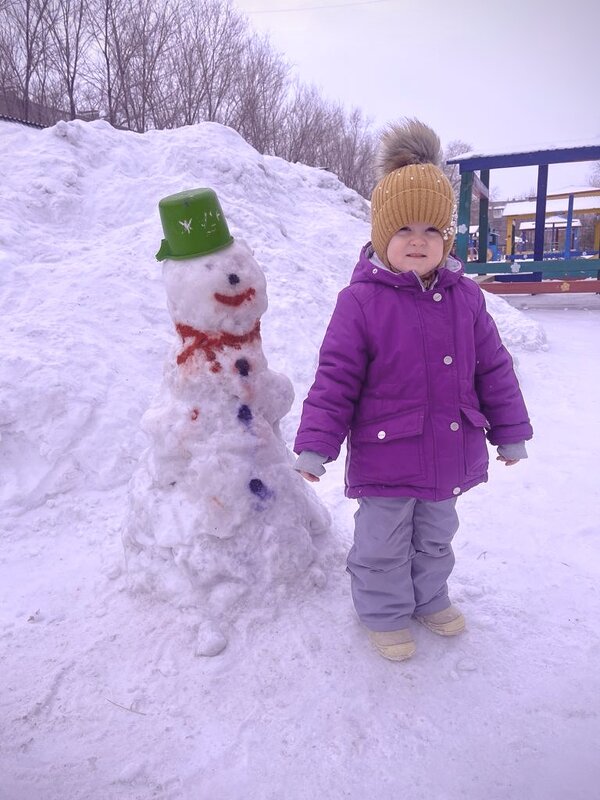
x,y
411,187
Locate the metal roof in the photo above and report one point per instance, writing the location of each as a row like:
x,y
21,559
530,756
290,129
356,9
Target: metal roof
x,y
526,208
551,222
469,162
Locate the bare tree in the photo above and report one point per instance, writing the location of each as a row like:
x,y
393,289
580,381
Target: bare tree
x,y
23,43
306,122
70,36
134,40
454,148
594,176
9,77
152,62
527,195
261,87
323,134
354,150
101,70
206,59
221,54
187,87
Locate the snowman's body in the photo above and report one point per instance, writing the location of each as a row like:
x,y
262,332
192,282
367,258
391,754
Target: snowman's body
x,y
217,513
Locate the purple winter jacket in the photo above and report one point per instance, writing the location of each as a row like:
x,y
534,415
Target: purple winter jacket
x,y
414,379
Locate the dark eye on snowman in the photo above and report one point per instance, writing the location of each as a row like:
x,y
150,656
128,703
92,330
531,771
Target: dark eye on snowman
x,y
233,279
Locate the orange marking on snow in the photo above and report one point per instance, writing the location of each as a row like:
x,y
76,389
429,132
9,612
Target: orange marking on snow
x,y
235,299
212,343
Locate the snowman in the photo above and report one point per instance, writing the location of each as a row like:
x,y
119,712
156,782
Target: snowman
x,y
218,519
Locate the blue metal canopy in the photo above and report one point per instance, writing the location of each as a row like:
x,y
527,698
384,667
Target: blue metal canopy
x,y
469,162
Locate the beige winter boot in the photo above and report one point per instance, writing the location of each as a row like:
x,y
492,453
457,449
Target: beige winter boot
x,y
448,622
395,645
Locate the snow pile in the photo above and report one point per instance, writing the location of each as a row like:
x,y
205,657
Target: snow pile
x,y
84,304
78,231
518,332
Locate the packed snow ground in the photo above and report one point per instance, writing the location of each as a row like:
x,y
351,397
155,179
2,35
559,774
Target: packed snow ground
x,y
102,696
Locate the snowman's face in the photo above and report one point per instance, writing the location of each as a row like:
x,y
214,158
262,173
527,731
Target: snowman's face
x,y
223,291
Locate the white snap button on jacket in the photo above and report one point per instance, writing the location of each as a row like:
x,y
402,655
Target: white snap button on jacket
x,y
454,426
456,490
447,359
381,435
437,297
375,271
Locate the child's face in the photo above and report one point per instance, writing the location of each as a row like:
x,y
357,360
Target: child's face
x,y
417,247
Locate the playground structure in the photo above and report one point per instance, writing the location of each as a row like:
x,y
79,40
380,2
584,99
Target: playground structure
x,y
555,239
566,270
561,238
494,251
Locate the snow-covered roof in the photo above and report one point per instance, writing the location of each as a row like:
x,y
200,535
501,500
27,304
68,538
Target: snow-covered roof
x,y
557,153
587,190
523,208
555,222
534,148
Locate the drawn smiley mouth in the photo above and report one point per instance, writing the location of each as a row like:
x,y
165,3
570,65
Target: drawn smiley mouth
x,y
235,299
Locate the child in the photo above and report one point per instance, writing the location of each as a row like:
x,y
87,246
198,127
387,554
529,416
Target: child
x,y
413,372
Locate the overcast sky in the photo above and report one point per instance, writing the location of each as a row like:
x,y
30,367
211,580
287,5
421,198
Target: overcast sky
x,y
501,75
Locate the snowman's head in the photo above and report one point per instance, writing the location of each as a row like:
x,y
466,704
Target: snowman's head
x,y
222,291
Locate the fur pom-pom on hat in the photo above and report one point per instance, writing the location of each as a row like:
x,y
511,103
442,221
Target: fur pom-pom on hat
x,y
411,142
412,187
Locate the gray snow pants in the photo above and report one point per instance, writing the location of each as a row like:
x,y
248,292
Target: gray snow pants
x,y
401,559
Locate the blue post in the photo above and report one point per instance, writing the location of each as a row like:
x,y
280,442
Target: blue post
x,y
569,227
464,216
484,225
540,213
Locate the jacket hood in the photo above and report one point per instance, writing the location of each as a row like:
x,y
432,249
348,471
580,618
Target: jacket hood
x,y
370,270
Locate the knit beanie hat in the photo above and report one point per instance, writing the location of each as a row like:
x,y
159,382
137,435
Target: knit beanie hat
x,y
411,187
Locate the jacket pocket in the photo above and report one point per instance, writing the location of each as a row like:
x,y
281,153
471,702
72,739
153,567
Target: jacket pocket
x,y
476,452
388,450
